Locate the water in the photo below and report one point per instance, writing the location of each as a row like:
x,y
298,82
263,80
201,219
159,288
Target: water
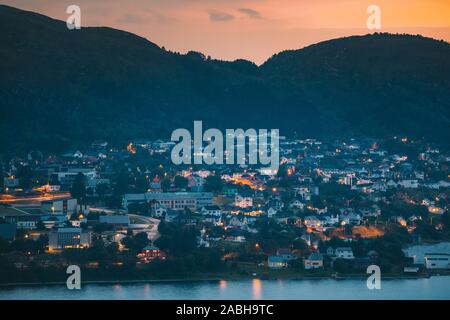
x,y
434,288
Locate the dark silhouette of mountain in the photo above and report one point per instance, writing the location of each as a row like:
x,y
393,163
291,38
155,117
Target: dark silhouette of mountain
x,y
59,87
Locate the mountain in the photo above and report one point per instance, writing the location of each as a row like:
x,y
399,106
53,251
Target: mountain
x,y
61,88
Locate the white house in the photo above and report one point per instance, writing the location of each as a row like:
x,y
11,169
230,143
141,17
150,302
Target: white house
x,y
437,261
314,261
344,253
243,202
271,212
212,210
411,184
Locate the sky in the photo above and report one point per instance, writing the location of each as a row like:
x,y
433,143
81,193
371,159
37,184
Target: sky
x,y
249,29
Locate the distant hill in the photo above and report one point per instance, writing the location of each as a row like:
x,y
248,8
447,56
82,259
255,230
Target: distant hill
x,y
60,88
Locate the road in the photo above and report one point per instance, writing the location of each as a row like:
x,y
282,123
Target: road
x,y
153,223
32,200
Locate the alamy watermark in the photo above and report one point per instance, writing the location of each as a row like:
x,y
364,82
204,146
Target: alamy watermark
x,y
263,147
74,20
74,280
374,20
374,280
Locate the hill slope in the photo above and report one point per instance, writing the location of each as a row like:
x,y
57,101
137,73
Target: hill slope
x,y
60,87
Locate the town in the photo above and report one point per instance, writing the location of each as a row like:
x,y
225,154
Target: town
x,y
128,213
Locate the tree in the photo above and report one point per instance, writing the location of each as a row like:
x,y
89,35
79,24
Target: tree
x,y
180,182
121,183
102,189
24,175
78,189
213,183
446,220
165,184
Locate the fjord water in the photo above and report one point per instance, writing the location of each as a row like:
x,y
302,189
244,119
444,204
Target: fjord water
x,y
434,288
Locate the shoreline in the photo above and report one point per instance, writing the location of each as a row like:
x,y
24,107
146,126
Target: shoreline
x,y
217,279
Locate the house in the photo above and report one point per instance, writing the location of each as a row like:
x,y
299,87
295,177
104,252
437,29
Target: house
x,y
437,260
69,238
216,220
297,204
412,268
238,221
52,221
306,192
330,252
171,215
171,200
212,210
11,182
155,187
412,184
391,184
351,218
314,261
276,204
158,211
66,178
344,253
330,220
235,235
311,222
271,212
195,183
243,202
277,262
150,254
59,207
286,253
24,221
373,211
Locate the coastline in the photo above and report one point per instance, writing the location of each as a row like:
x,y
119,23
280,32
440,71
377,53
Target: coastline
x,y
232,278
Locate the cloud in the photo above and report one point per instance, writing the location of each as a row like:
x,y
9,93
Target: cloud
x,y
253,14
218,16
130,18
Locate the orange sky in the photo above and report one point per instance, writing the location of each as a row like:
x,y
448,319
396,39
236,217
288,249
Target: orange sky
x,y
250,29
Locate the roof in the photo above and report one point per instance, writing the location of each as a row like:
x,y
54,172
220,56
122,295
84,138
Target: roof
x,y
122,219
284,251
69,230
212,208
315,256
166,196
341,249
150,248
276,259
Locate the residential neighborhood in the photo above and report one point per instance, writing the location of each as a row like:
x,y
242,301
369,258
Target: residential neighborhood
x,y
333,208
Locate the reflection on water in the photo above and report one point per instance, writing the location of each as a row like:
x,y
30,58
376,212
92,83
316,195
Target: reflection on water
x,y
146,291
256,283
428,288
222,285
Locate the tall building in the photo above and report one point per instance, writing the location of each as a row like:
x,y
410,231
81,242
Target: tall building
x,y
171,200
69,238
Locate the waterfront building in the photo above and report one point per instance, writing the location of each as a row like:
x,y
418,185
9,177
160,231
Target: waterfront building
x,y
314,261
69,238
437,261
